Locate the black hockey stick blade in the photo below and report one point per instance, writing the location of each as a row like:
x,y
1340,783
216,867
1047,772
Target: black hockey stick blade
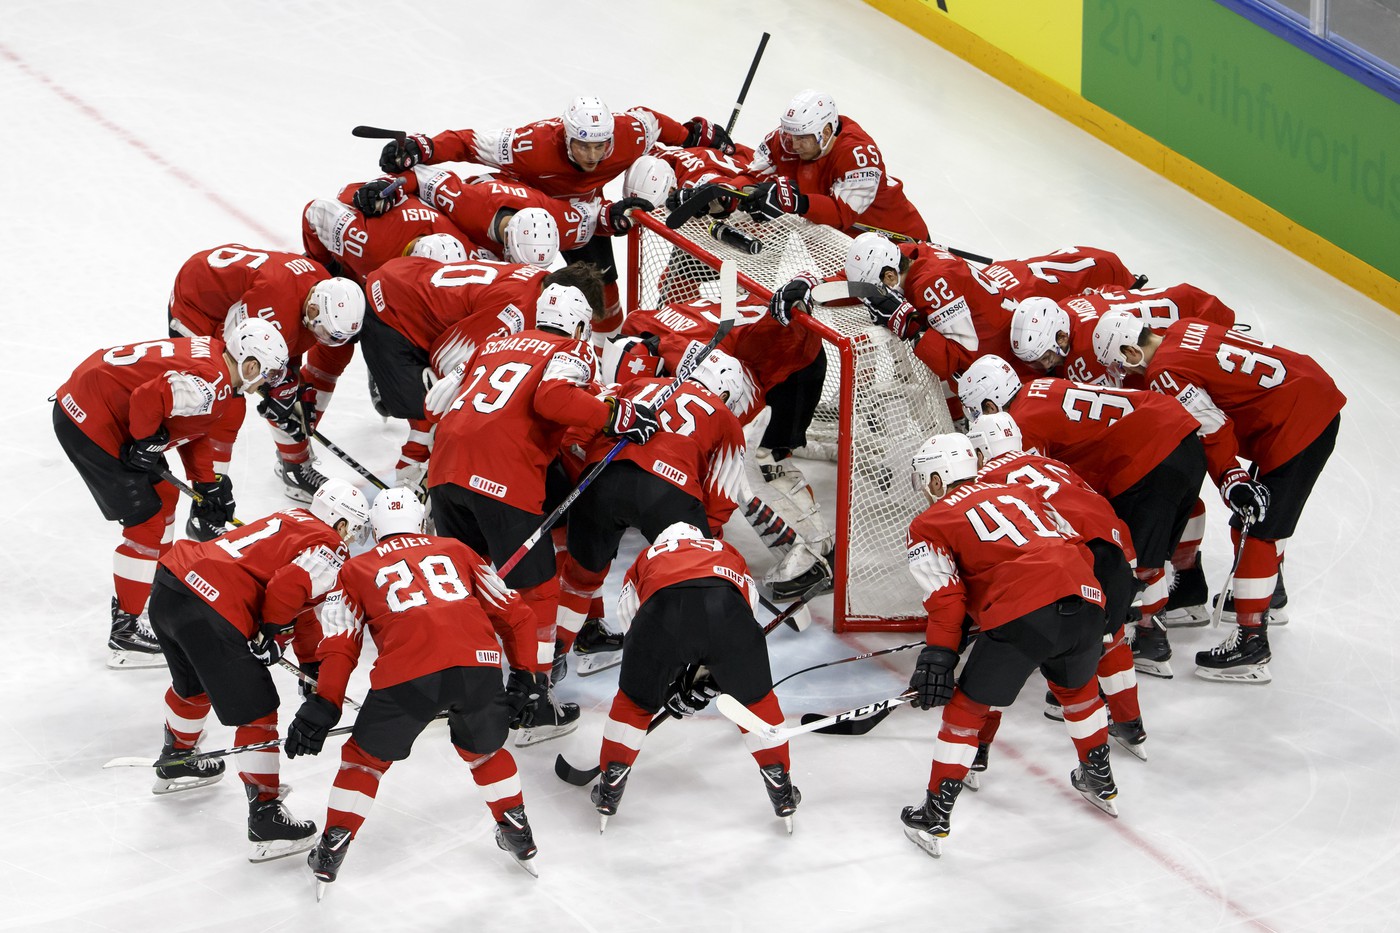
x,y
848,726
693,206
578,777
375,132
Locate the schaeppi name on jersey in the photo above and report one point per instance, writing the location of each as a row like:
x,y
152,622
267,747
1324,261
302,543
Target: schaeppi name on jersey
x,y
521,344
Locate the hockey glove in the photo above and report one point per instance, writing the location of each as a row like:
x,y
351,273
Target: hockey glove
x,y
307,733
772,199
1249,500
903,319
305,685
612,215
701,132
795,294
281,407
632,421
397,158
213,509
933,677
692,692
522,688
444,392
264,644
147,453
370,199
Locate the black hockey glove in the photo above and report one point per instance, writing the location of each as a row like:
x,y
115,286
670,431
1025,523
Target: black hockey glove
x,y
632,421
146,453
772,199
264,645
281,406
396,158
692,691
893,312
1246,498
933,677
786,300
212,510
612,216
522,688
307,733
701,132
371,200
312,670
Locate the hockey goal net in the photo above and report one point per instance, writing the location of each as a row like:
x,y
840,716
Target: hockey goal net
x,y
878,405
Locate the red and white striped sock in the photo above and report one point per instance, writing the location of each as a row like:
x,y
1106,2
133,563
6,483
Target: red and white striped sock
x,y
497,777
356,784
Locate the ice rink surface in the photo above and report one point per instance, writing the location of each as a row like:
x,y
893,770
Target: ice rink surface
x,y
137,134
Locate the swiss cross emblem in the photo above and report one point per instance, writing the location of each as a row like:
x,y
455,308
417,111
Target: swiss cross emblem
x,y
636,366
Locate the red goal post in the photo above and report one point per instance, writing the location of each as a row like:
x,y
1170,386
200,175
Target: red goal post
x,y
878,405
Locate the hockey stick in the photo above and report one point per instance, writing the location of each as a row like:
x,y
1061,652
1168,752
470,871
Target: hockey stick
x,y
309,680
902,238
721,232
349,461
172,479
826,292
375,132
748,79
1229,584
699,202
728,279
795,614
858,657
746,719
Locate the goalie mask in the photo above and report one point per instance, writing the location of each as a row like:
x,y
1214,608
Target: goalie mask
x,y
994,435
563,308
989,378
947,456
340,311
726,377
868,257
439,247
337,500
808,114
532,237
256,339
1035,328
649,178
626,358
1115,330
396,511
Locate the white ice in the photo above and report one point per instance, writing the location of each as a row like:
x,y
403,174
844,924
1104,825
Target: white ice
x,y
138,133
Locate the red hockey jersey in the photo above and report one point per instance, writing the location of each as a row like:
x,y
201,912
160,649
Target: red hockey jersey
x,y
336,234
1087,512
474,206
994,553
1061,274
266,283
429,603
422,298
967,313
673,562
124,393
266,571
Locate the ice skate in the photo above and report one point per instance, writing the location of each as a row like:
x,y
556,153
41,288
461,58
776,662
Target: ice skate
x,y
1278,605
607,793
325,859
559,668
180,776
132,642
514,836
781,794
798,572
1053,710
1242,658
543,719
1186,604
1094,779
597,648
973,780
299,480
1151,651
273,831
927,825
1131,735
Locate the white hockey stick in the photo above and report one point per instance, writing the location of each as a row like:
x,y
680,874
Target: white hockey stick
x,y
742,716
824,292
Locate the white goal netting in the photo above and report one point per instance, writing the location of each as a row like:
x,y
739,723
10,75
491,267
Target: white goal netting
x,y
878,405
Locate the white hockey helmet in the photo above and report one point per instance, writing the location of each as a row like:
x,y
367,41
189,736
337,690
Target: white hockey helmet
x,y
678,531
254,338
1035,325
336,500
995,435
807,114
625,358
726,377
439,247
868,256
649,178
532,237
396,511
588,120
950,457
340,310
1115,330
991,378
564,308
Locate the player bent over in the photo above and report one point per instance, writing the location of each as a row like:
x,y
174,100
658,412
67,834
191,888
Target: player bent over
x,y
434,608
687,607
219,608
1004,557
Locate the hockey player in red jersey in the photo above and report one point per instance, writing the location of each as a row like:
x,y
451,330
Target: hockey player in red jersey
x,y
1002,557
1275,408
435,611
1004,460
517,396
115,417
687,608
820,164
318,316
571,157
1140,451
220,609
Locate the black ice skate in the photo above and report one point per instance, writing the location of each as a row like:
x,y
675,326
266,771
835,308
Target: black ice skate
x,y
1131,735
1242,658
273,831
514,836
607,793
1151,651
1094,779
597,648
979,764
559,669
781,794
1053,709
543,718
132,642
184,775
1186,604
1278,605
299,480
326,858
926,825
